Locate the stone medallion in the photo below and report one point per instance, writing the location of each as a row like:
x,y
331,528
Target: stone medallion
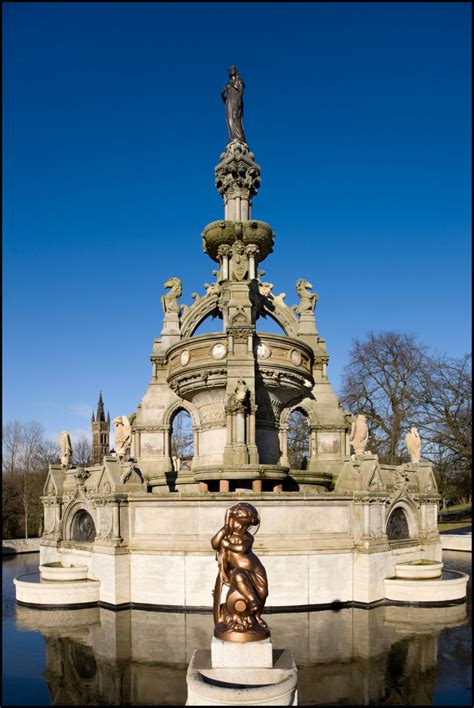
x,y
218,351
263,352
295,357
184,358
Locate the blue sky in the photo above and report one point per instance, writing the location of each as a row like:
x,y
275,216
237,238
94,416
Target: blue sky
x,y
358,113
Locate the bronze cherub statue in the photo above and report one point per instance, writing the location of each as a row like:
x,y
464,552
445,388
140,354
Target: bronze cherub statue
x,y
239,618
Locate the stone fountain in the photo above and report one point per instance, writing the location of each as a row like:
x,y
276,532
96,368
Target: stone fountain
x,y
140,521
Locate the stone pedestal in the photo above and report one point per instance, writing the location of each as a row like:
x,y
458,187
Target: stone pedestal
x,y
249,655
251,673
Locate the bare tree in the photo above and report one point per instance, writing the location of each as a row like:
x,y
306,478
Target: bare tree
x,y
298,440
382,380
26,456
396,383
445,419
82,451
12,433
48,454
22,445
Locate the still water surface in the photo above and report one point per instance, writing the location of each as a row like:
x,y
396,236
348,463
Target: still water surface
x,y
389,655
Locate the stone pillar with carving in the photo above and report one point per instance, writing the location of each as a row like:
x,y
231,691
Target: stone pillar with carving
x,y
237,181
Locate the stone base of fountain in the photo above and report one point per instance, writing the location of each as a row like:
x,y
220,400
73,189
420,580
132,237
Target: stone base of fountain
x,y
449,587
418,570
58,571
32,589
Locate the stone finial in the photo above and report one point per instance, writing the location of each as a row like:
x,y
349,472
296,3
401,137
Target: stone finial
x,y
413,443
123,436
169,301
66,448
359,435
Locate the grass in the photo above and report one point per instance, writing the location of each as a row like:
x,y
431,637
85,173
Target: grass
x,y
457,507
455,525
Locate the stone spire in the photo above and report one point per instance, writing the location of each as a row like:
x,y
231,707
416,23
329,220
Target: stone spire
x,y
100,408
100,433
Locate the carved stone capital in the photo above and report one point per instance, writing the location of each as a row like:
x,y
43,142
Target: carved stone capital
x,y
224,250
237,174
252,250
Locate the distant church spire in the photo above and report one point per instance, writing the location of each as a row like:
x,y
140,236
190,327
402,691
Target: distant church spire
x,y
100,433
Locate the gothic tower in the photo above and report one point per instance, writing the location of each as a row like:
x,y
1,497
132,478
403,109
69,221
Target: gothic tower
x,y
100,433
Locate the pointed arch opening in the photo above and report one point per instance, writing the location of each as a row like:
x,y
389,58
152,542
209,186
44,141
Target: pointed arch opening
x,y
181,440
210,324
397,525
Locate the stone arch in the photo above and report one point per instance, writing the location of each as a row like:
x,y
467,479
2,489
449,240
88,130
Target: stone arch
x,y
284,317
298,436
193,316
175,407
168,419
305,405
71,519
402,523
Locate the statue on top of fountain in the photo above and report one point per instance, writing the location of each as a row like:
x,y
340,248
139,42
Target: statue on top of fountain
x,y
232,95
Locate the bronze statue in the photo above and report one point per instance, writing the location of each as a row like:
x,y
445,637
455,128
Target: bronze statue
x,y
232,95
239,618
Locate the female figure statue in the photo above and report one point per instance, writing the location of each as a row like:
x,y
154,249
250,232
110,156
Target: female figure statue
x,y
239,618
359,435
413,442
232,95
66,448
123,436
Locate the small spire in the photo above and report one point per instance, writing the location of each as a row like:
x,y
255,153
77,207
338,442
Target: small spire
x,y
93,417
108,417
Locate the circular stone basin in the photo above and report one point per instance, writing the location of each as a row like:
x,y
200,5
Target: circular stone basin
x,y
419,569
227,232
58,571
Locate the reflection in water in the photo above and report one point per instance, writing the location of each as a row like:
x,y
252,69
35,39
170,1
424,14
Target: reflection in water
x,y
352,656
393,655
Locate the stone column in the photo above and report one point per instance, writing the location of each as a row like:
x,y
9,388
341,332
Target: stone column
x,y
203,487
224,252
224,485
284,445
240,427
166,440
366,529
252,428
257,485
229,428
252,252
116,522
313,443
138,443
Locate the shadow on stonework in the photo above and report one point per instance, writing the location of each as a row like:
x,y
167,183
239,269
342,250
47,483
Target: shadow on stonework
x,y
353,656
